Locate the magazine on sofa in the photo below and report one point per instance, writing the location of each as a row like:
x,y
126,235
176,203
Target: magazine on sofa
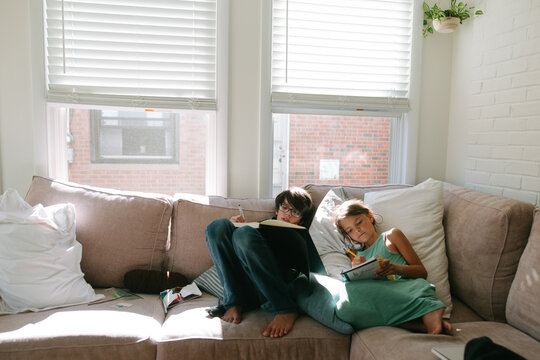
x,y
114,294
176,295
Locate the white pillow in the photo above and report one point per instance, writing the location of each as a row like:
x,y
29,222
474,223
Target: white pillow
x,y
327,240
418,212
39,257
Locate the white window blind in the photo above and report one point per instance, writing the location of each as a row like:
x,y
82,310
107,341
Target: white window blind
x,y
144,53
345,55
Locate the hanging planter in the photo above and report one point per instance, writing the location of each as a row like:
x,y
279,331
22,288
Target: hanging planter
x,y
446,21
446,24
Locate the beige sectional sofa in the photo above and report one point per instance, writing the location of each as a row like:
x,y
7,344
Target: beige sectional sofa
x,y
493,248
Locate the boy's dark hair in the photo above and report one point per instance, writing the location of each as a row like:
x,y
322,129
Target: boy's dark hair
x,y
300,199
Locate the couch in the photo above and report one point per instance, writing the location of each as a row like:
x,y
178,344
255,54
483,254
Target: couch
x,y
492,244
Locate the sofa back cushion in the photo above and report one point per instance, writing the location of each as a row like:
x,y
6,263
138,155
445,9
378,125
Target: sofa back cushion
x,y
318,191
188,253
119,230
522,310
485,237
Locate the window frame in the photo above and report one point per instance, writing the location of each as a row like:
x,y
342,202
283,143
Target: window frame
x,y
217,144
404,130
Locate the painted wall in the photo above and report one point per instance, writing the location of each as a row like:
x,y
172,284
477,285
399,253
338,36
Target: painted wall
x,y
434,107
16,103
494,126
244,97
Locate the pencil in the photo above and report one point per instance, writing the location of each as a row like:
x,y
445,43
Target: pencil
x,y
349,251
241,211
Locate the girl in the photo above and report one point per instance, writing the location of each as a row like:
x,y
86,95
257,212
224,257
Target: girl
x,y
403,301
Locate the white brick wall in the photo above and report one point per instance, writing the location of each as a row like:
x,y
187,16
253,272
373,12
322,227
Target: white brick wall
x,y
503,151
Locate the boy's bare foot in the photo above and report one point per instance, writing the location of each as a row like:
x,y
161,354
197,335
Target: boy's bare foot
x,y
280,325
233,315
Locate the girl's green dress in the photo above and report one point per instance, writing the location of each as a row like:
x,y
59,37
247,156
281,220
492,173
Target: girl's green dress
x,y
380,302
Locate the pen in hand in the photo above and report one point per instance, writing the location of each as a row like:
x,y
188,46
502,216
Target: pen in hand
x,y
241,212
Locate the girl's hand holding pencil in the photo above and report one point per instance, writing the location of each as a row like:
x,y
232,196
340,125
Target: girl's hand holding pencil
x,y
349,251
356,260
384,266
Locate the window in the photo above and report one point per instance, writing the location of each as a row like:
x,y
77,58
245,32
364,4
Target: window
x,y
339,89
134,137
132,93
329,149
159,168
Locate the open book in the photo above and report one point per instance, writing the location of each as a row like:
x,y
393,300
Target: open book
x,y
365,270
269,222
291,244
450,352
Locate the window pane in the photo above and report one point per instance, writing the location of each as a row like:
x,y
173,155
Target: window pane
x,y
163,152
323,149
341,49
134,137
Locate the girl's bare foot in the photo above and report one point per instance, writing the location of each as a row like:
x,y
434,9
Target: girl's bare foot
x,y
233,315
280,325
447,328
433,321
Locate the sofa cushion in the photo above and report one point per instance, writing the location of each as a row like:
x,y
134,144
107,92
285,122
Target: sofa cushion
x,y
84,332
485,236
462,313
188,254
190,332
327,240
318,191
385,342
522,309
119,230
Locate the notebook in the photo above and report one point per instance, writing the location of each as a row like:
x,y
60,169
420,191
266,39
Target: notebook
x,y
449,352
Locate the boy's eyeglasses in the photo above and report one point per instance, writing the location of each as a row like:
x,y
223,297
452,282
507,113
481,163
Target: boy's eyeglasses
x,y
294,213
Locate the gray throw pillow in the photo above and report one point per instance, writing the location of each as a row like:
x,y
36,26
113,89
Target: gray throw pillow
x,y
209,282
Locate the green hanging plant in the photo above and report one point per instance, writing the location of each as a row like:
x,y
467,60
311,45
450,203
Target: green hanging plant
x,y
460,11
